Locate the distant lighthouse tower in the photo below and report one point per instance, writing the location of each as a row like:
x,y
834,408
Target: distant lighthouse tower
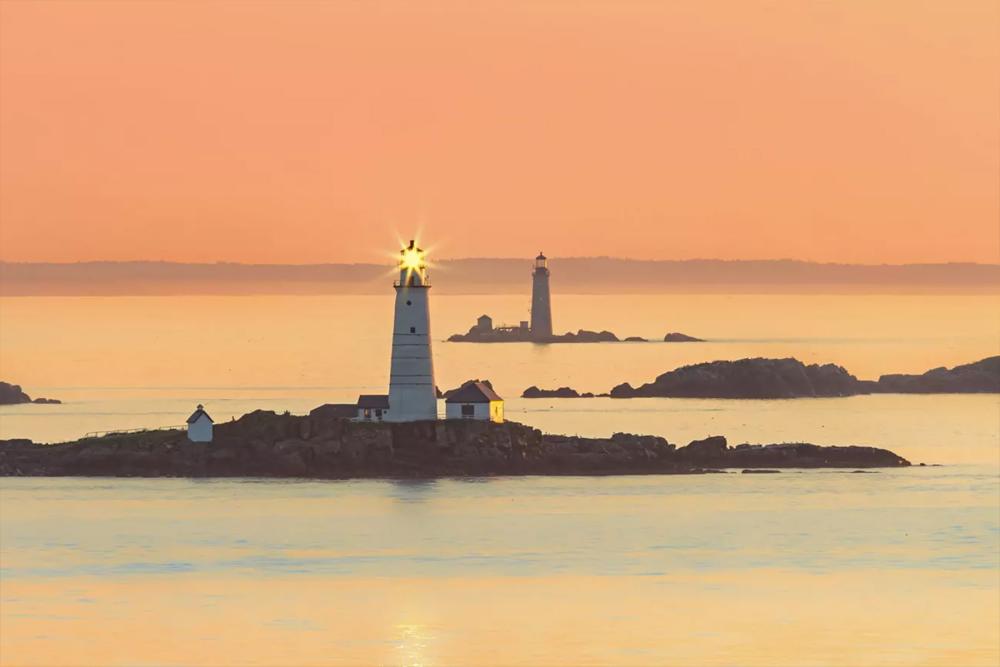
x,y
412,392
541,303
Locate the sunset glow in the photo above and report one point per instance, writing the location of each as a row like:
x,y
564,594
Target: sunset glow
x,y
270,132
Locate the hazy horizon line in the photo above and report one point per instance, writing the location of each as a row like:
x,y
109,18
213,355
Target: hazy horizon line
x,y
557,258
581,275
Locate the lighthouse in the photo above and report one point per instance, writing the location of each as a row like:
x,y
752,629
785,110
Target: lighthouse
x,y
541,304
412,392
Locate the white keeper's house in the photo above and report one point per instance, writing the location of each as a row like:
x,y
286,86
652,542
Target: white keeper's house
x,y
373,408
476,400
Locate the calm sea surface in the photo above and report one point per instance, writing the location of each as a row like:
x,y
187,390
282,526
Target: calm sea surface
x,y
899,567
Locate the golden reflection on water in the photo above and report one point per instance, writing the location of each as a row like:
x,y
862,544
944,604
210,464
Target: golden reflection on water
x,y
758,617
255,341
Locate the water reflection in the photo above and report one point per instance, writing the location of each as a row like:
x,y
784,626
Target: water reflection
x,y
697,570
412,491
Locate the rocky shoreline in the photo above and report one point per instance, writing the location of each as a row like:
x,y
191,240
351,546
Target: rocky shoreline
x,y
319,446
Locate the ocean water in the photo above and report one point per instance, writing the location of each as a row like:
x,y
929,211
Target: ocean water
x,y
896,567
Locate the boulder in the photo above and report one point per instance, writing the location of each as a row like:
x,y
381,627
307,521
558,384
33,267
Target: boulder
x,y
712,448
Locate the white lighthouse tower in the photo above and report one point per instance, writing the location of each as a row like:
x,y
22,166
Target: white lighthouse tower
x,y
541,302
412,392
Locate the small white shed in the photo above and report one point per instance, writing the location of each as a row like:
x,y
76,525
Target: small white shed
x,y
372,407
200,426
475,400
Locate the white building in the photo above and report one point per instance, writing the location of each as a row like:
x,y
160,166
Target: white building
x,y
199,426
541,300
475,401
373,408
412,393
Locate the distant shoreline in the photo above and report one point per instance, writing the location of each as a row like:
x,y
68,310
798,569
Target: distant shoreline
x,y
497,276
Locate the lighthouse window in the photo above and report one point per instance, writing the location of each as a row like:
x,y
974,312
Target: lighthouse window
x,y
409,303
413,330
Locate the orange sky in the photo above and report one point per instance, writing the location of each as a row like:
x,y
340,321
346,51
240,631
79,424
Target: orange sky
x,y
851,131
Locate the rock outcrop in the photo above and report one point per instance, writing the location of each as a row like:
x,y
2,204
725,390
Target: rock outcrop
x,y
11,394
978,377
585,336
677,337
561,392
790,378
748,378
267,444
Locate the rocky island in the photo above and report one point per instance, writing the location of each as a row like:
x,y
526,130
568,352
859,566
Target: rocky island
x,y
321,446
12,394
522,334
790,378
484,332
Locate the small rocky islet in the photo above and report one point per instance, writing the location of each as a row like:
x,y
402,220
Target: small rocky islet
x,y
12,394
323,446
524,335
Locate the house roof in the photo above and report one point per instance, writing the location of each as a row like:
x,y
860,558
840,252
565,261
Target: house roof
x,y
335,410
474,392
376,401
197,414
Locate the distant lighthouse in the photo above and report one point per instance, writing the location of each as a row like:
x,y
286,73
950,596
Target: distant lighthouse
x,y
541,304
412,392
